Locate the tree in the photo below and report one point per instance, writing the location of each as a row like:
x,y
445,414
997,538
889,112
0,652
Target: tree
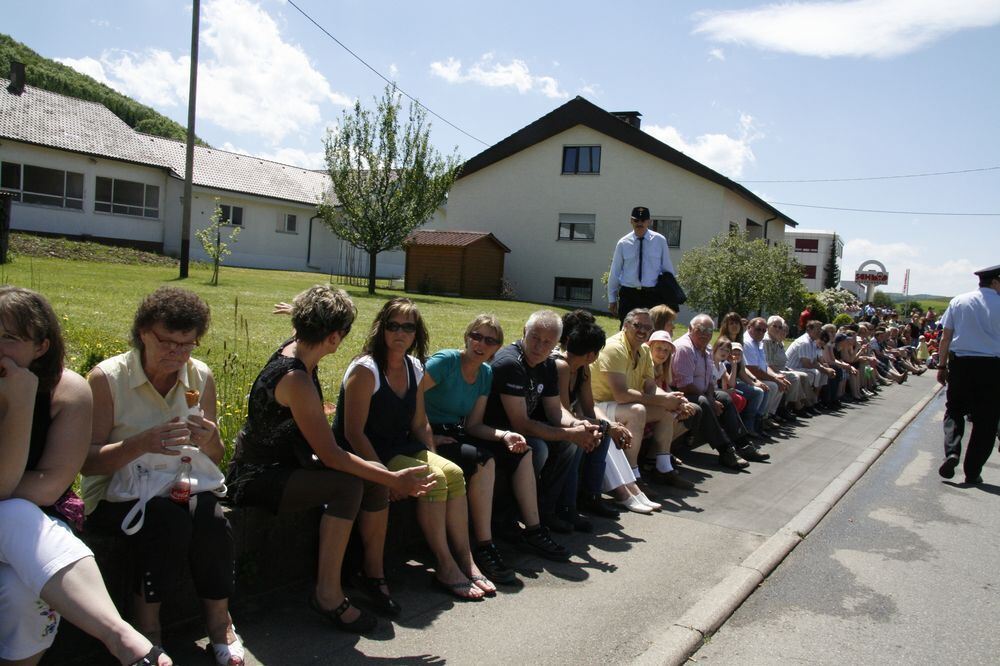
x,y
211,241
831,279
836,300
387,178
734,273
882,299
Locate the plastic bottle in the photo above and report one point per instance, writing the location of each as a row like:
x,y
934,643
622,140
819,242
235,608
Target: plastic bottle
x,y
180,492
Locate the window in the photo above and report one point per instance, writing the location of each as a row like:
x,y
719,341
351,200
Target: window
x,y
232,215
807,245
41,186
669,227
126,197
809,272
581,159
573,289
288,223
576,227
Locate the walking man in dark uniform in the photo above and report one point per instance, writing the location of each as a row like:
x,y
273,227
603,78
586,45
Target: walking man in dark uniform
x,y
970,367
640,256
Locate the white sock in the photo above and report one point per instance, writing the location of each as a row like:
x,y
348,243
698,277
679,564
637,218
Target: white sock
x,y
635,473
663,463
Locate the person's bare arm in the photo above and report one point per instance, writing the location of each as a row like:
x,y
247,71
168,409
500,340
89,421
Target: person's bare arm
x,y
944,344
624,395
358,389
474,425
18,387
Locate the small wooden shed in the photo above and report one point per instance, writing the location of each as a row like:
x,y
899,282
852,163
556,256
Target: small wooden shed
x,y
461,263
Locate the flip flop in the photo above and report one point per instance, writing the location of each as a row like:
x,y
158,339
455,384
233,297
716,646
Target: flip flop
x,y
152,658
484,584
457,589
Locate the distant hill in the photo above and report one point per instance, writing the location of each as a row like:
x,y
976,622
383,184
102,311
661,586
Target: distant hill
x,y
55,77
899,298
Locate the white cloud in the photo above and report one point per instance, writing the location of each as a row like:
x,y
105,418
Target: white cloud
x,y
858,28
716,54
487,72
592,89
250,80
393,71
928,275
89,66
726,154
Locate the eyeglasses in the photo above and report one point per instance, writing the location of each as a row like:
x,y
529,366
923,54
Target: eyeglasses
x,y
174,346
641,328
479,337
396,327
760,328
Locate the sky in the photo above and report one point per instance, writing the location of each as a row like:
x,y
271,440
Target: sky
x,y
844,92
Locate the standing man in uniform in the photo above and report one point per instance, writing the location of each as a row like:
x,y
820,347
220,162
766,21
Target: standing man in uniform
x,y
970,365
640,257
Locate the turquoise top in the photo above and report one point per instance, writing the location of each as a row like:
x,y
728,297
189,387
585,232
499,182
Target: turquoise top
x,y
452,398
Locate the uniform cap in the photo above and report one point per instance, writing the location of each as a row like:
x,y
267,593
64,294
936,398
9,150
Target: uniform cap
x,y
989,273
640,213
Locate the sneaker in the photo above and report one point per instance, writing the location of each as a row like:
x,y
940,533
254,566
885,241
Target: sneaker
x,y
538,542
489,561
729,458
753,453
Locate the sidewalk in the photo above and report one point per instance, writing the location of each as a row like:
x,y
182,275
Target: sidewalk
x,y
625,585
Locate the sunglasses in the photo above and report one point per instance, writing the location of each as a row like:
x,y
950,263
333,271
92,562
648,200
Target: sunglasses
x,y
396,327
172,346
479,337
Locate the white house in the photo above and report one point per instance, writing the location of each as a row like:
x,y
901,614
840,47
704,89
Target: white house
x,y
811,248
75,169
559,192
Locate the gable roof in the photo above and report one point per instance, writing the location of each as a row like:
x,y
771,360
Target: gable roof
x,y
44,118
49,119
431,237
579,111
224,170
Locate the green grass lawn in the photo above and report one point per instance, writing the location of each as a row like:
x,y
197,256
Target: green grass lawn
x,y
96,301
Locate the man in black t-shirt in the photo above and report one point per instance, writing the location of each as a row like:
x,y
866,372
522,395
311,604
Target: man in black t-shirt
x,y
525,398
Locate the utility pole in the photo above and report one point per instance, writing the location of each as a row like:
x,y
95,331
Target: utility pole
x,y
189,155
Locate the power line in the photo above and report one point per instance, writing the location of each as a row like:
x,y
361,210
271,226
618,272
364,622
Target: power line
x,y
847,180
889,212
384,78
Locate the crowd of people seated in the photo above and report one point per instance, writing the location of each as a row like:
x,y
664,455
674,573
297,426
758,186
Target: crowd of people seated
x,y
526,440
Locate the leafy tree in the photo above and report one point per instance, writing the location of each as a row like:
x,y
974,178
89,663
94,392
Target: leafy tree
x,y
734,273
835,300
831,279
211,241
387,178
882,299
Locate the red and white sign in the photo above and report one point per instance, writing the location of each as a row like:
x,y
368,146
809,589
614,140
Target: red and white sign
x,y
871,277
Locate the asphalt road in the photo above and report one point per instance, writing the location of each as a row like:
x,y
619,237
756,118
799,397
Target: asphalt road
x,y
904,570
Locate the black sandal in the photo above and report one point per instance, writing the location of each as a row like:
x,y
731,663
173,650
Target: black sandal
x,y
362,625
152,657
383,602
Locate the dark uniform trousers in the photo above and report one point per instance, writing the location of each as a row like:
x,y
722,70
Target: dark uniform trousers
x,y
630,298
972,391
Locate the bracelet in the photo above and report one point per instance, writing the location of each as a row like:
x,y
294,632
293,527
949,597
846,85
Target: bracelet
x,y
504,435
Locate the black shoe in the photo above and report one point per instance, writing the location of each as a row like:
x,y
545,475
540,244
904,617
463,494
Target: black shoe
x,y
362,624
557,524
382,602
580,524
947,468
538,542
973,482
753,453
595,506
729,458
488,559
672,478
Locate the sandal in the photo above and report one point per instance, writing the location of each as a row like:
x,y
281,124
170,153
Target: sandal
x,y
484,584
228,654
152,658
364,623
383,602
459,590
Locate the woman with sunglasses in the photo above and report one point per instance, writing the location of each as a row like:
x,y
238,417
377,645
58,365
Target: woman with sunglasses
x,y
140,407
380,416
457,384
287,459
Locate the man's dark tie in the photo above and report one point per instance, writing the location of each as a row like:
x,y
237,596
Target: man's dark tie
x,y
641,238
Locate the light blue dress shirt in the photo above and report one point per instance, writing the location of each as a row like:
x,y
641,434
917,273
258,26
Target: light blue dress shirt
x,y
625,263
974,318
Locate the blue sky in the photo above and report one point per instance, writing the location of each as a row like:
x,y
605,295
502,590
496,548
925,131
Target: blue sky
x,y
781,91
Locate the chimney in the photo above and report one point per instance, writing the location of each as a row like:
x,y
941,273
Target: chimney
x,y
630,117
16,77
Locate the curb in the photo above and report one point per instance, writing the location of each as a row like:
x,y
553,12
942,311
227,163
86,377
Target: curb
x,y
685,636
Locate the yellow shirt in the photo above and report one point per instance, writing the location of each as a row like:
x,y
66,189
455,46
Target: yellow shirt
x,y
617,357
138,406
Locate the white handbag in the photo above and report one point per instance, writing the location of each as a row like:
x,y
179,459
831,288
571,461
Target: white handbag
x,y
152,475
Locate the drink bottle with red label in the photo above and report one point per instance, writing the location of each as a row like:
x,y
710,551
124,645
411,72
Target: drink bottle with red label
x,y
181,490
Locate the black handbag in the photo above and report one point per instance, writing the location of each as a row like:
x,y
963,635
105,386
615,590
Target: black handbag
x,y
669,290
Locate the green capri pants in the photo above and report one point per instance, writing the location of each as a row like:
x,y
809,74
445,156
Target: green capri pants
x,y
449,482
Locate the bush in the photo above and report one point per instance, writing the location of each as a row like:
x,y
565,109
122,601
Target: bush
x,y
843,319
817,308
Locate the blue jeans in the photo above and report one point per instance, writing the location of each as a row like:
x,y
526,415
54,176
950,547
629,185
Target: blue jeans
x,y
555,463
755,404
